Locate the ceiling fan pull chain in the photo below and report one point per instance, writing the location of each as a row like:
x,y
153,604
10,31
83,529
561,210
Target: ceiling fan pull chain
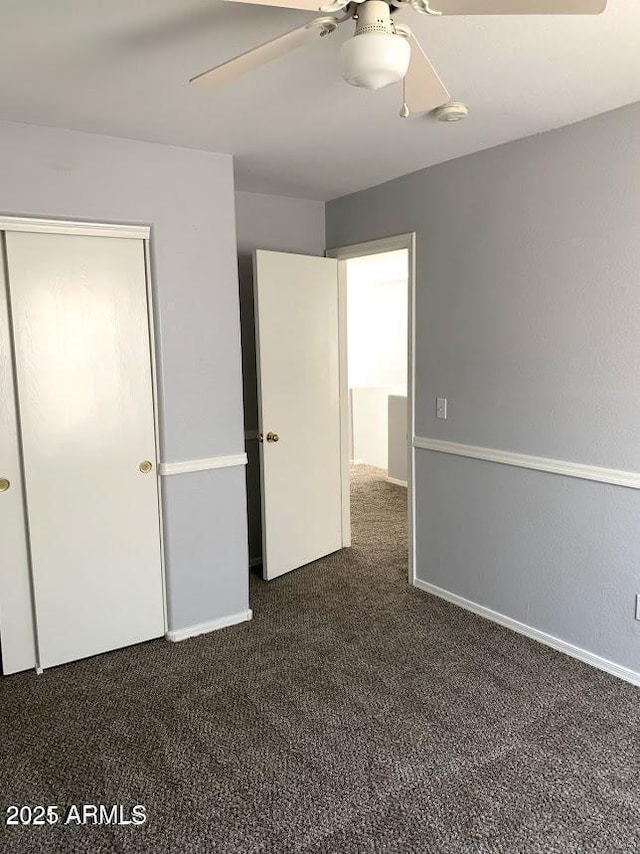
x,y
405,112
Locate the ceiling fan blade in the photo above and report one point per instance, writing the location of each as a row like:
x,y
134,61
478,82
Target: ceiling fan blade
x,y
267,52
307,5
518,7
423,88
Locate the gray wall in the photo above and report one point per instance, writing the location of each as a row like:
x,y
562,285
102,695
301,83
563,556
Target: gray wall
x,y
527,318
187,197
284,225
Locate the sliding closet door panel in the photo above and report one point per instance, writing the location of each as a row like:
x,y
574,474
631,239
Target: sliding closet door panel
x,y
16,612
83,368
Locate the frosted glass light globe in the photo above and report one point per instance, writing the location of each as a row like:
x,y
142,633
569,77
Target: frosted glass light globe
x,y
374,60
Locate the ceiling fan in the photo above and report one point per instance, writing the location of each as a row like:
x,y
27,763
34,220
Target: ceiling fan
x,y
382,51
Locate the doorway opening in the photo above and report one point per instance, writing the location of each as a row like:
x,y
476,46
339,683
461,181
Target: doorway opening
x,y
376,287
313,419
377,362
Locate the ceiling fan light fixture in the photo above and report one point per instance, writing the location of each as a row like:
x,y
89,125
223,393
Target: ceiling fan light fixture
x,y
374,60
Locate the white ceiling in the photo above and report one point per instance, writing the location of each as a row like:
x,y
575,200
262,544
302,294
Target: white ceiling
x,y
120,67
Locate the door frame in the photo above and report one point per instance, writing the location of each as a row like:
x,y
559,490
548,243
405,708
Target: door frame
x,y
343,254
103,229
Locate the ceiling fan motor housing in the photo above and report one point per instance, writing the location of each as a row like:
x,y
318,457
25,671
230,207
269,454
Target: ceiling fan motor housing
x,y
374,16
375,56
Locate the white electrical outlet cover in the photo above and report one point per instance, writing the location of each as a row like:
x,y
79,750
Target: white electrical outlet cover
x,y
441,407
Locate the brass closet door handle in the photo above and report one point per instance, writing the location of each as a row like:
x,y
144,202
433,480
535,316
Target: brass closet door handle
x,y
145,466
272,437
4,484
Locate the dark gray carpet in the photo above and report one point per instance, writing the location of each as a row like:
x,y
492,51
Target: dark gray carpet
x,y
354,714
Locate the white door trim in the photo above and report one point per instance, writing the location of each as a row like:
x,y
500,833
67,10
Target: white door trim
x,y
186,466
156,413
58,226
342,254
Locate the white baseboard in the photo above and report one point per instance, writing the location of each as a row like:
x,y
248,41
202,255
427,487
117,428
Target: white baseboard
x,y
611,667
203,628
396,481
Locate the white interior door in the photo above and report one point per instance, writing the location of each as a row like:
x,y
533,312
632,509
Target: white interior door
x,y
16,611
296,305
83,369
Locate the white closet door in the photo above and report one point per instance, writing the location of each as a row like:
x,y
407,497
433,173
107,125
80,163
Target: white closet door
x,y
79,311
16,613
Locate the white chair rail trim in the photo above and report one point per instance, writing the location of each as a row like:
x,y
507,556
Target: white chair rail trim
x,y
186,466
617,477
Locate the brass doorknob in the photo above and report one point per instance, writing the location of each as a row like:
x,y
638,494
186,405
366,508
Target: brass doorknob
x,y
272,437
4,484
145,467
